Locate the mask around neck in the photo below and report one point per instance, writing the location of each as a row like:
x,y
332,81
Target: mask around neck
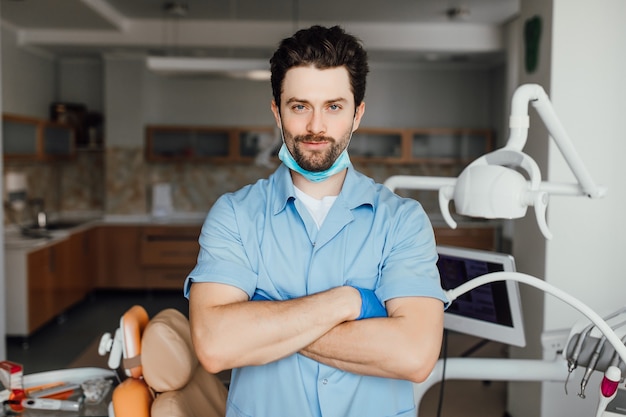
x,y
341,163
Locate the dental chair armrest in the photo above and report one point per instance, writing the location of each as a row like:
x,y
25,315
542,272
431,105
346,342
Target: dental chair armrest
x,y
204,396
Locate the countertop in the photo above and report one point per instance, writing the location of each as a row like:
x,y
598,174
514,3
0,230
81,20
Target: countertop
x,y
15,240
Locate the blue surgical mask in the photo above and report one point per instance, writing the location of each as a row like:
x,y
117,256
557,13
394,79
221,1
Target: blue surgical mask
x,y
341,163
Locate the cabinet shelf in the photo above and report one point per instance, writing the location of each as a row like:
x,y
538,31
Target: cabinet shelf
x,y
203,144
438,146
28,138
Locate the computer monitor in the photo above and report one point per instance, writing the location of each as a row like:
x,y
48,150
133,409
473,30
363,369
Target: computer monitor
x,y
492,311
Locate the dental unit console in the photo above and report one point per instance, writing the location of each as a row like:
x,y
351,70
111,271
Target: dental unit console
x,y
502,185
493,311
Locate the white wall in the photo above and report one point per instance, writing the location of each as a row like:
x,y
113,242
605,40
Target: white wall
x,y
396,97
588,67
80,80
28,79
582,68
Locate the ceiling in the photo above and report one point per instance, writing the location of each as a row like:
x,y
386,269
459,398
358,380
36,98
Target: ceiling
x,y
392,30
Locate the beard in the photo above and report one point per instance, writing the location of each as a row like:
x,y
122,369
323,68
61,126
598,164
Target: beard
x,y
318,161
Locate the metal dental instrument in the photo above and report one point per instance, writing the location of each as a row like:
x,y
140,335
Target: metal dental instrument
x,y
593,362
572,362
592,366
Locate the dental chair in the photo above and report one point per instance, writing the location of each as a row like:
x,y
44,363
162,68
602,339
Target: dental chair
x,y
164,377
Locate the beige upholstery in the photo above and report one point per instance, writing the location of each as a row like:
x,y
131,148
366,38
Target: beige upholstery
x,y
170,368
167,354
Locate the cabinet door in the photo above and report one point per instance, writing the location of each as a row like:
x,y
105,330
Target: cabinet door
x,y
63,273
171,143
454,146
58,141
120,266
41,288
377,145
20,137
35,139
74,262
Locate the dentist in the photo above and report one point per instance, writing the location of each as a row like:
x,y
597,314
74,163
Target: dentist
x,y
317,286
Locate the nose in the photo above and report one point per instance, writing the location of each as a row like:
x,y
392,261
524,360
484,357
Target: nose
x,y
316,124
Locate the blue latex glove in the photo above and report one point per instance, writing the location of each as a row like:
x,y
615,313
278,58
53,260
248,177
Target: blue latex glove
x,y
258,297
370,305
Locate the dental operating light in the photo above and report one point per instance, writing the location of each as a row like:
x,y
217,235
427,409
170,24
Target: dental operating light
x,y
494,186
502,185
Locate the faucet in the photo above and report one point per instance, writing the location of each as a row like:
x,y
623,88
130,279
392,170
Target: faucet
x,y
41,219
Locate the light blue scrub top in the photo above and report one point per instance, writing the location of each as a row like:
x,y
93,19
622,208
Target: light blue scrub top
x,y
261,237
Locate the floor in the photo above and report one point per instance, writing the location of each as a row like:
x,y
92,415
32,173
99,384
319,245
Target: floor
x,y
73,337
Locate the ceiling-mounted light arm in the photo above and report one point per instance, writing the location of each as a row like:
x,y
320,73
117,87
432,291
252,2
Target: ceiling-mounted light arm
x,y
519,122
493,186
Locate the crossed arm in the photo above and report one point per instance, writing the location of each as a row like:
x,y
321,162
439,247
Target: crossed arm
x,y
229,331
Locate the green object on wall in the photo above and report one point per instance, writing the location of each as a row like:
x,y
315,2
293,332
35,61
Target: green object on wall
x,y
532,35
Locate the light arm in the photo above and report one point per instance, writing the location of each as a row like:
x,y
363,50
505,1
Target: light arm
x,y
519,123
491,188
598,321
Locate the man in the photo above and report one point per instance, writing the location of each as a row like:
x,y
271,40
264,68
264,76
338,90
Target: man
x,y
318,287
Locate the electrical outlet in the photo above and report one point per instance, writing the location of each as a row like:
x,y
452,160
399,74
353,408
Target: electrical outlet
x,y
554,342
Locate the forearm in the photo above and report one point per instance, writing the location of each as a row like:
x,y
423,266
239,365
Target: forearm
x,y
393,347
247,333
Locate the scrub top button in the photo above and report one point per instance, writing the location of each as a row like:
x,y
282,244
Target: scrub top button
x,y
324,381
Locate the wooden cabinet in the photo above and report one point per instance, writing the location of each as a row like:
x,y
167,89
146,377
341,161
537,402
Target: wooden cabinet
x,y
420,146
40,291
168,254
473,237
43,283
118,250
376,145
26,138
146,257
202,144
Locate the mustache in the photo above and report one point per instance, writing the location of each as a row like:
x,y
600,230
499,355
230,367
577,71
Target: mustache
x,y
313,138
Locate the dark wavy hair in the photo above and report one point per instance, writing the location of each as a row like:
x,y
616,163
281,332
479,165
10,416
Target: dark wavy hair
x,y
323,48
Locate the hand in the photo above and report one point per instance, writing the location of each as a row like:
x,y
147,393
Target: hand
x,y
370,305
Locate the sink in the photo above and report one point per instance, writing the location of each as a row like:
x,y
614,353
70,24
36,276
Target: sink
x,y
34,231
61,225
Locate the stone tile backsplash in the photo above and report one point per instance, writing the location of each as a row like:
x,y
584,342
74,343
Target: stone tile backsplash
x,y
119,181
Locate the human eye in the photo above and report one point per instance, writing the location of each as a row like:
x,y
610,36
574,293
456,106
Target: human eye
x,y
298,107
334,107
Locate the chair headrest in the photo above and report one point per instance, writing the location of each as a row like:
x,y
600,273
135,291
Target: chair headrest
x,y
167,353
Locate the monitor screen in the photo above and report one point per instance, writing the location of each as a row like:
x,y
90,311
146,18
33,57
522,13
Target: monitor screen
x,y
492,311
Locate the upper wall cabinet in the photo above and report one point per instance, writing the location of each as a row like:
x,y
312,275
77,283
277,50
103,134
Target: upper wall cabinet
x,y
212,144
27,138
449,147
423,146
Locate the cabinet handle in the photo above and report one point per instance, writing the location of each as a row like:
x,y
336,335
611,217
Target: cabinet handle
x,y
173,238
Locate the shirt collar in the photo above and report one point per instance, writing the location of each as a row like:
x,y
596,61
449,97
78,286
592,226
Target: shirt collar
x,y
357,189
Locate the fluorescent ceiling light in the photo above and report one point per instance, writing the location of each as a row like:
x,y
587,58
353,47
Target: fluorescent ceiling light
x,y
256,69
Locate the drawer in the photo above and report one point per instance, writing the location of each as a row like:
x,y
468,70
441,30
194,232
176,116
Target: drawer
x,y
169,246
165,278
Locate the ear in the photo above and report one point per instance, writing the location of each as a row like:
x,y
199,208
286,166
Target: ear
x,y
276,112
358,115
